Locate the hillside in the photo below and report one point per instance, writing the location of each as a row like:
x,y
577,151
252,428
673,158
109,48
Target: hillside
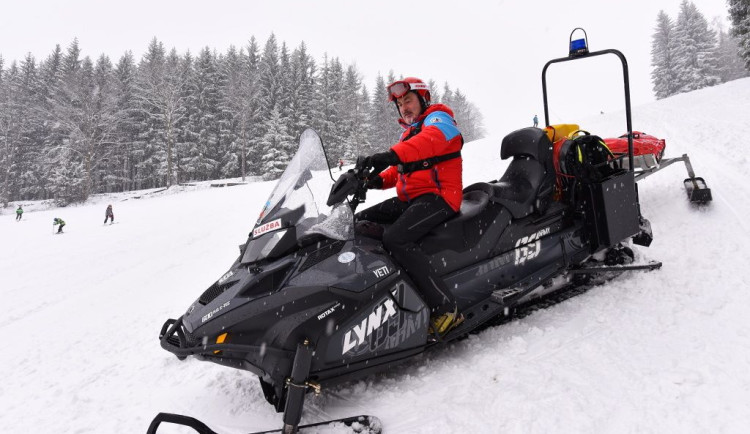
x,y
666,351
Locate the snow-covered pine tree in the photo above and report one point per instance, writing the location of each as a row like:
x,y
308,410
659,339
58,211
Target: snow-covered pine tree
x,y
186,140
232,100
302,91
121,164
353,128
161,96
731,65
663,74
150,80
251,133
329,99
278,148
383,117
739,13
209,123
467,117
695,50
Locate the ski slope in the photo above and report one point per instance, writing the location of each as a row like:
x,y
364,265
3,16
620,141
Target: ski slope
x,y
665,351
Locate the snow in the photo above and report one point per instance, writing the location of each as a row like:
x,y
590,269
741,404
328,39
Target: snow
x,y
664,351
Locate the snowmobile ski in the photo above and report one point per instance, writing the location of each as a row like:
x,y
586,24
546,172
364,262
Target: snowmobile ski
x,y
355,424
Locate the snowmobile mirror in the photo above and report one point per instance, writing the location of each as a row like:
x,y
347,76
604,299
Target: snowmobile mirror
x,y
343,187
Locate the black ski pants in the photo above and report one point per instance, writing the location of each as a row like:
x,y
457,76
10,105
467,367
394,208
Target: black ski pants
x,y
410,221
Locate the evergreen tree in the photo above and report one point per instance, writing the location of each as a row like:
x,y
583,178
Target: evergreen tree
x,y
278,146
160,93
695,50
739,13
70,127
663,74
731,65
468,118
384,128
210,123
121,169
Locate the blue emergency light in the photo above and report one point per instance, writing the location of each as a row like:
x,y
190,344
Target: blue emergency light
x,y
578,47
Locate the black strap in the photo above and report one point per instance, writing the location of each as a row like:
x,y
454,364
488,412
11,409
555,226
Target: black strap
x,y
427,163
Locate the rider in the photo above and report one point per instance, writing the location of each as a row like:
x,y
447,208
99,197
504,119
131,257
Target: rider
x,y
425,167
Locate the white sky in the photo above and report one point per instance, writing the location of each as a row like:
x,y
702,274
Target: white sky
x,y
493,51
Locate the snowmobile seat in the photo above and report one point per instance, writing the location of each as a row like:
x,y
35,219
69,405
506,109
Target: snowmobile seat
x,y
475,199
528,182
466,229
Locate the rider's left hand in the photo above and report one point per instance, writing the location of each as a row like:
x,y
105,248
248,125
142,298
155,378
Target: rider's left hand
x,y
381,160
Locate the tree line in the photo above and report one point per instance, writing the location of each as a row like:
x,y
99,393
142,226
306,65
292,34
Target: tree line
x,y
687,54
71,127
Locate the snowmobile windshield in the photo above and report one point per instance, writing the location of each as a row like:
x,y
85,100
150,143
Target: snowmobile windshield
x,y
297,206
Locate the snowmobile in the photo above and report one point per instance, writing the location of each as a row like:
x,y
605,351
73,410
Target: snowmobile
x,y
314,300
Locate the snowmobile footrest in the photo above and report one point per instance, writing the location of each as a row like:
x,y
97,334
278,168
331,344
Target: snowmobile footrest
x,y
697,190
621,269
362,424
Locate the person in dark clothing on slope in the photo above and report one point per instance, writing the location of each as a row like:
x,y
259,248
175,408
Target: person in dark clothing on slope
x,y
60,222
19,213
426,169
109,215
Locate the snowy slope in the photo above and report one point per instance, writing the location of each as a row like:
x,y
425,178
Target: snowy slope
x,y
666,351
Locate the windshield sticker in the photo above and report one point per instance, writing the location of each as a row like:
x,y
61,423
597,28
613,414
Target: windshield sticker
x,y
346,257
268,227
263,212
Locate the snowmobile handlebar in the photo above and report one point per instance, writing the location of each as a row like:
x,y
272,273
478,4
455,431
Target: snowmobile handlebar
x,y
352,183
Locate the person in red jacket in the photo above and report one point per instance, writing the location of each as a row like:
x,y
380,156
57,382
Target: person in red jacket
x,y
425,166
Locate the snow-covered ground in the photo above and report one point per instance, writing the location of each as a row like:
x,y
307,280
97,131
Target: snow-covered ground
x,y
666,351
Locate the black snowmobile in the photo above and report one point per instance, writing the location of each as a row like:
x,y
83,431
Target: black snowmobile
x,y
311,302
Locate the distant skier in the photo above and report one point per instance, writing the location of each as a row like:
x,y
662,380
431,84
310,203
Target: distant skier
x,y
536,120
109,215
60,222
341,164
19,213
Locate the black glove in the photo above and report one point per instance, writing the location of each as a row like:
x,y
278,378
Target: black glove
x,y
376,182
381,160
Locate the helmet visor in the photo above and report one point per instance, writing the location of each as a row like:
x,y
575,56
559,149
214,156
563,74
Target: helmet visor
x,y
397,89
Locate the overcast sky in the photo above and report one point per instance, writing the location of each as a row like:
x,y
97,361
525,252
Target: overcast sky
x,y
494,51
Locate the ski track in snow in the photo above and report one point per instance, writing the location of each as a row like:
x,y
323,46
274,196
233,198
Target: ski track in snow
x,y
664,351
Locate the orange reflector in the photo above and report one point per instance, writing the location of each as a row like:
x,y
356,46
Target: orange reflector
x,y
220,340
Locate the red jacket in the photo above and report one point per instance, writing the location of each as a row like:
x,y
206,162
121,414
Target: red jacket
x,y
439,136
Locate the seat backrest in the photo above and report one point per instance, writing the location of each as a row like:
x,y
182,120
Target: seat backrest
x,y
528,182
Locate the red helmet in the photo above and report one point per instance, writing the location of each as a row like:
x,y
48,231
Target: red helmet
x,y
399,88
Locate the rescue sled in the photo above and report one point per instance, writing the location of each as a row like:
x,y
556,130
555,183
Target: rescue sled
x,y
648,152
